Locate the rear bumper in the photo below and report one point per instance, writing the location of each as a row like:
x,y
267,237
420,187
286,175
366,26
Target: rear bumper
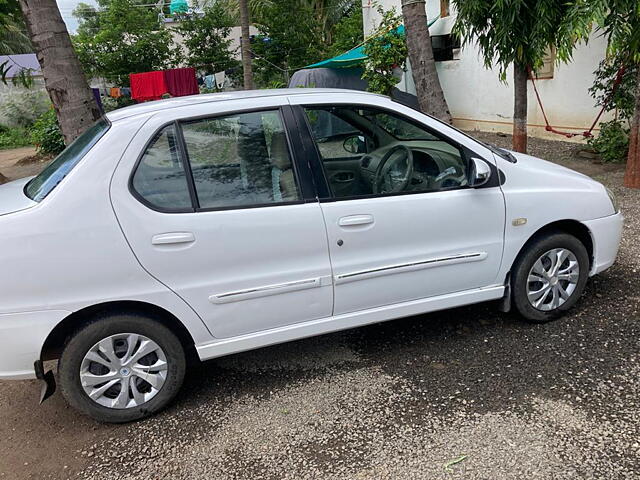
x,y
606,233
22,336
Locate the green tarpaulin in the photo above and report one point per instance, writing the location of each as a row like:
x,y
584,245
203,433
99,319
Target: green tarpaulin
x,y
178,6
355,56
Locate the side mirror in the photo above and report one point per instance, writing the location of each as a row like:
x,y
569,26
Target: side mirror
x,y
354,144
480,172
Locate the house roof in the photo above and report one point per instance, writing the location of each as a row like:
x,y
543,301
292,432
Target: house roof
x,y
20,62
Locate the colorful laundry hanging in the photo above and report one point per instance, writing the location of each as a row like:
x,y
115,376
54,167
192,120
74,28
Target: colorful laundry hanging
x,y
148,86
181,82
114,92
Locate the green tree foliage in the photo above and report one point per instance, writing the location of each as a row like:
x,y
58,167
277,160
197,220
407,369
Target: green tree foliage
x,y
386,50
348,32
612,143
622,99
288,40
206,38
520,32
13,37
620,22
296,33
46,133
13,40
122,37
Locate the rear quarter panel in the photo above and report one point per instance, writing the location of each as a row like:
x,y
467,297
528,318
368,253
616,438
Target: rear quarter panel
x,y
68,252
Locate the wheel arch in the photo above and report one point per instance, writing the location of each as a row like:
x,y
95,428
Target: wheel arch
x,y
63,331
572,227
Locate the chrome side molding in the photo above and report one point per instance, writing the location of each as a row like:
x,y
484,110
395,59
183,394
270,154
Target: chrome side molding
x,y
407,267
266,290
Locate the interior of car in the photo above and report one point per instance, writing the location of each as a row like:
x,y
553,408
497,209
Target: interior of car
x,y
368,152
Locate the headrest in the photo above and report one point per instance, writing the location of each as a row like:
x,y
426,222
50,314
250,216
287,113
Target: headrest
x,y
279,153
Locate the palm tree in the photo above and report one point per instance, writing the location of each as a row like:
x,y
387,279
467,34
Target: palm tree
x,y
64,80
423,66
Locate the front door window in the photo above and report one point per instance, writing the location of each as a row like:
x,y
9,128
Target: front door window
x,y
366,151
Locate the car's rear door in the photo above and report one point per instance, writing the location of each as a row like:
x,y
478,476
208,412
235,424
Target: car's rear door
x,y
244,242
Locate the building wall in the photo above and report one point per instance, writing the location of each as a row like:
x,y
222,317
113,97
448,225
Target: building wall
x,y
478,100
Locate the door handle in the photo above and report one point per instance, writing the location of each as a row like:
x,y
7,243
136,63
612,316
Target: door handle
x,y
355,220
343,177
173,238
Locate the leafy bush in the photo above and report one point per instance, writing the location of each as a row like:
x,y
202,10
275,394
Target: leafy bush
x,y
613,142
46,134
11,137
622,100
20,108
386,51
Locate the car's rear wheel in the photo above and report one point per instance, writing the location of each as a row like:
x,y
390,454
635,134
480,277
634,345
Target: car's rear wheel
x,y
549,277
122,368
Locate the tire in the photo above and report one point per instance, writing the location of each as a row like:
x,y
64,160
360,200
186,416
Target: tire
x,y
568,286
163,366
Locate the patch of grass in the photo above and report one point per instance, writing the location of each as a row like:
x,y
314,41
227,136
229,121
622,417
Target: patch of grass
x,y
14,137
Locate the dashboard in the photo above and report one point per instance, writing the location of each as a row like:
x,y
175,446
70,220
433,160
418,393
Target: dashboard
x,y
436,164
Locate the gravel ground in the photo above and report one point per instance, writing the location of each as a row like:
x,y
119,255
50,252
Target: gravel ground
x,y
398,400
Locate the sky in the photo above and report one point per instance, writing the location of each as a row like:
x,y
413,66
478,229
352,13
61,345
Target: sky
x,y
66,7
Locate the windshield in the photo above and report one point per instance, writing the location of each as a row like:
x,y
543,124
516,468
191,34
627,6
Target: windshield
x,y
40,186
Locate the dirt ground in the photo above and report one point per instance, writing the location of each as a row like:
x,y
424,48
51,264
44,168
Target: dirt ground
x,y
398,400
21,162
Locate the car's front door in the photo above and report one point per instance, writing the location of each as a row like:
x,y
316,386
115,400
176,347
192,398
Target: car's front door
x,y
416,229
220,217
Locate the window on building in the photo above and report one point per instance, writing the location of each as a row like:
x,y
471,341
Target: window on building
x,y
548,65
445,47
444,8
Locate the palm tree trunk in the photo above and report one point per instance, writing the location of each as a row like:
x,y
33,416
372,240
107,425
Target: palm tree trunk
x,y
520,76
425,76
64,80
245,46
632,174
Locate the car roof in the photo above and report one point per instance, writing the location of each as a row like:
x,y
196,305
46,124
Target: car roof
x,y
158,105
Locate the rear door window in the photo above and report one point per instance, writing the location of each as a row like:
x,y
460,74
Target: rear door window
x,y
160,178
241,160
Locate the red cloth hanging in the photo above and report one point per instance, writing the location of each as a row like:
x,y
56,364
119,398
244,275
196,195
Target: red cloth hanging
x,y
148,86
181,81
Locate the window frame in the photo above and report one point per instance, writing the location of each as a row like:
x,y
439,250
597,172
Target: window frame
x,y
319,171
301,170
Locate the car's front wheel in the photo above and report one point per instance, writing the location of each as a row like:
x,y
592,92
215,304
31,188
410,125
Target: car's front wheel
x,y
549,277
122,368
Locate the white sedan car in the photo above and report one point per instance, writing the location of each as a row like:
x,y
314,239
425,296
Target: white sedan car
x,y
202,226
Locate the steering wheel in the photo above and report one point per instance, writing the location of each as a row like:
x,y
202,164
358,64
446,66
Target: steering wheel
x,y
452,176
394,171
